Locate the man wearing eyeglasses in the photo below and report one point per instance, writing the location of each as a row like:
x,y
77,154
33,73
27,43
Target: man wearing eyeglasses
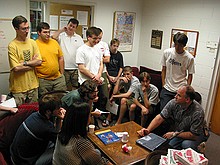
x,y
87,92
24,56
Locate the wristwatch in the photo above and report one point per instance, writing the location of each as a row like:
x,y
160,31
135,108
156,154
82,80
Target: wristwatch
x,y
25,63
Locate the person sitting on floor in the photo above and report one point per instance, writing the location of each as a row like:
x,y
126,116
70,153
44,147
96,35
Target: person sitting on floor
x,y
188,117
72,145
35,133
147,98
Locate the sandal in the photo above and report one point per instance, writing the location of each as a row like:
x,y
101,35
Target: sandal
x,y
105,123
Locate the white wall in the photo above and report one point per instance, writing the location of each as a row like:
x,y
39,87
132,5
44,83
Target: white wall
x,y
199,15
103,18
104,15
8,10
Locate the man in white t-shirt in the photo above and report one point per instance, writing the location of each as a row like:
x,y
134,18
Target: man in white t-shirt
x,y
103,48
89,59
177,68
70,42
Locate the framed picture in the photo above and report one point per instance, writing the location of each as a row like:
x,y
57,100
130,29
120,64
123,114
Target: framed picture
x,y
123,29
191,45
156,39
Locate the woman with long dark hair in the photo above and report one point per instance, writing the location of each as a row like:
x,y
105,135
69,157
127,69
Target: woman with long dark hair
x,y
72,146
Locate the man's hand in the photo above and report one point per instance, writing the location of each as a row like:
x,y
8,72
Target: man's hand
x,y
125,79
96,113
97,79
144,89
115,79
144,110
111,79
111,100
35,57
143,132
61,113
168,135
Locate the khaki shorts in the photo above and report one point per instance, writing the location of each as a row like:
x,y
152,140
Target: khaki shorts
x,y
51,85
26,97
71,77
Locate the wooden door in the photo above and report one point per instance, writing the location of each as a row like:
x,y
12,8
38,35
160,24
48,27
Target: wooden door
x,y
215,118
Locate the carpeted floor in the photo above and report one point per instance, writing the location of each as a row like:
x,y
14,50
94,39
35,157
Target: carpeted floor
x,y
213,149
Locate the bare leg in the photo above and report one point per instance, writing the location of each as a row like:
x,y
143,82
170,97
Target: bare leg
x,y
143,120
132,112
123,109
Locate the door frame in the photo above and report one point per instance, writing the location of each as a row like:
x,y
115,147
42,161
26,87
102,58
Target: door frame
x,y
213,87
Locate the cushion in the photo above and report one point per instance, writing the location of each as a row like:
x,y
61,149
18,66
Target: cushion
x,y
10,124
2,160
135,71
156,80
148,70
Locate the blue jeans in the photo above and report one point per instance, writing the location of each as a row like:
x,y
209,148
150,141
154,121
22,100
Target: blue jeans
x,y
165,97
47,157
179,143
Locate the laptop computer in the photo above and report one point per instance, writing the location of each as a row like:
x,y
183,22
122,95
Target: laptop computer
x,y
151,141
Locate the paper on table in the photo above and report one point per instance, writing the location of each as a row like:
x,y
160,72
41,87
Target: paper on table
x,y
113,107
9,103
97,110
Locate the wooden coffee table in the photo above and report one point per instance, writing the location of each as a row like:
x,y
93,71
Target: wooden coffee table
x,y
114,151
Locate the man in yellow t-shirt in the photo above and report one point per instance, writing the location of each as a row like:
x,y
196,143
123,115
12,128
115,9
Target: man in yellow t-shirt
x,y
50,73
23,56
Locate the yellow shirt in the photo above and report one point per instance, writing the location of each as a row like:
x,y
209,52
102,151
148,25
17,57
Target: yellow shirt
x,y
50,53
17,53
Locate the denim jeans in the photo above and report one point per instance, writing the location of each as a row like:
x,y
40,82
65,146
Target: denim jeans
x,y
179,143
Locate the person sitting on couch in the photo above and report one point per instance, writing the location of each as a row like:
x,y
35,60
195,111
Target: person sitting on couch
x,y
147,98
37,131
130,84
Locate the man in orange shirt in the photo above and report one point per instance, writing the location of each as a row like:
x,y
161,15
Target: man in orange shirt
x,y
50,73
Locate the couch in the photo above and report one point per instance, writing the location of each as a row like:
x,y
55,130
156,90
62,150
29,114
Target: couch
x,y
155,75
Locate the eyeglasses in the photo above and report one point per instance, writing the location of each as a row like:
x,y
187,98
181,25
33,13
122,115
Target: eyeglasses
x,y
25,28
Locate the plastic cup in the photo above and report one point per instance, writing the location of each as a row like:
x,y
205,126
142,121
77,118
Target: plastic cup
x,y
91,128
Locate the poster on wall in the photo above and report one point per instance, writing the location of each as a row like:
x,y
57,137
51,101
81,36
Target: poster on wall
x,y
82,17
156,39
64,20
123,29
191,45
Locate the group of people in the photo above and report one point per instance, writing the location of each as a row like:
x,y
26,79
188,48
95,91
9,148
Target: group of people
x,y
94,74
178,106
61,62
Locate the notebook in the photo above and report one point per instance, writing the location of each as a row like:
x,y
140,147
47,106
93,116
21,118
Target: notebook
x,y
107,136
151,141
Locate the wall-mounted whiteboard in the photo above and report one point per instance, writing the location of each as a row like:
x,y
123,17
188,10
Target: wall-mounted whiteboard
x,y
7,34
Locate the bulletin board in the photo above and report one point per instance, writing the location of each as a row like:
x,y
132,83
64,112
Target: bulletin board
x,y
61,13
191,45
123,29
7,34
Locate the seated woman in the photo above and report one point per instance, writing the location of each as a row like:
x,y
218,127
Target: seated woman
x,y
72,146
